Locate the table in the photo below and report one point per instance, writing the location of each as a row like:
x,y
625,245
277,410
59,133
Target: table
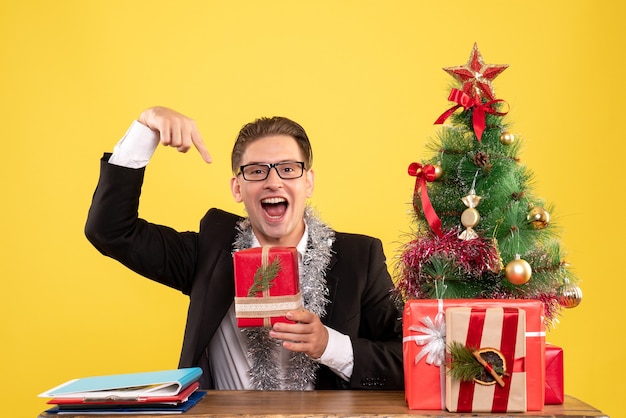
x,y
336,403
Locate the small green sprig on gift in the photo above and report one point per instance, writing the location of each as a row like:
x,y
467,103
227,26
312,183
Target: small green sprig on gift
x,y
468,364
264,276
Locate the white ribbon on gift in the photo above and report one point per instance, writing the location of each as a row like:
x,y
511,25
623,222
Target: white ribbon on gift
x,y
432,337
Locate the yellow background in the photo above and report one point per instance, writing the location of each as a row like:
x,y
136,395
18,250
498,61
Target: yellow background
x,y
365,80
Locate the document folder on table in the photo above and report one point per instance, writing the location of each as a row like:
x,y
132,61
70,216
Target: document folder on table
x,y
129,409
132,386
181,397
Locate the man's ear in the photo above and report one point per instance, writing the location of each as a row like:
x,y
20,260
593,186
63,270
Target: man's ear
x,y
310,183
235,189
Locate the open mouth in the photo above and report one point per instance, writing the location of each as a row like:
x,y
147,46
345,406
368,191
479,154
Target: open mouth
x,y
274,207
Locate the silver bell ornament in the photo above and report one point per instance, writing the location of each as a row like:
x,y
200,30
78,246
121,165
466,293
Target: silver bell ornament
x,y
569,295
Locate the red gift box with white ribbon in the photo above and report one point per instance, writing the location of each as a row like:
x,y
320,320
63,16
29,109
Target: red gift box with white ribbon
x,y
267,285
424,349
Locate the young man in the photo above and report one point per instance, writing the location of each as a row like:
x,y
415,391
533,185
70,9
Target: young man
x,y
349,335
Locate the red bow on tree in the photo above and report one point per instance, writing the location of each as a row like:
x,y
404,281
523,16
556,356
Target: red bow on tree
x,y
423,174
463,100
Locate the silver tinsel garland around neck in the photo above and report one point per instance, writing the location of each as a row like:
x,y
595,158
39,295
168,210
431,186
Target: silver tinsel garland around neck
x,y
266,373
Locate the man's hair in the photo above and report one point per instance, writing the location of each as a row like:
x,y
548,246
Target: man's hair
x,y
263,127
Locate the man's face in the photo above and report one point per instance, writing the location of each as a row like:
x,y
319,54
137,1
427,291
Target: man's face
x,y
275,206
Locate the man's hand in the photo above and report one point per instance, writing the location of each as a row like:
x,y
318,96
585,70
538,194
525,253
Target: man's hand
x,y
175,130
308,335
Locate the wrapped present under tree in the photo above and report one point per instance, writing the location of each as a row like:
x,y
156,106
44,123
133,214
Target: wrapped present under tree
x,y
486,360
424,349
555,393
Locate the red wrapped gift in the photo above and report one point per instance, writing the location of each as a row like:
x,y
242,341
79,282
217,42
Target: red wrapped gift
x,y
491,343
267,285
424,349
555,395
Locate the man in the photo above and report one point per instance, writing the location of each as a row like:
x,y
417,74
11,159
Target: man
x,y
349,334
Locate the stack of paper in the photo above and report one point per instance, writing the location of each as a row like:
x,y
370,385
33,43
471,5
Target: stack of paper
x,y
167,391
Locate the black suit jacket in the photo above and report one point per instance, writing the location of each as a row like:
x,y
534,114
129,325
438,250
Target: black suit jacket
x,y
200,265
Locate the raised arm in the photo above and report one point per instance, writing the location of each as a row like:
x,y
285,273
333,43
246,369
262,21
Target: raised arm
x,y
113,225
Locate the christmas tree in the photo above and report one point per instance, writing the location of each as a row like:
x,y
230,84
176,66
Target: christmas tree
x,y
480,231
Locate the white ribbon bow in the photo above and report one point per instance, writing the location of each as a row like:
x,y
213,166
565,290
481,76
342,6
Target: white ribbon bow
x,y
433,339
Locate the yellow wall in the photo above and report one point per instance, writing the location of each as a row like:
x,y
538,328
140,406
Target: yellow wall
x,y
364,78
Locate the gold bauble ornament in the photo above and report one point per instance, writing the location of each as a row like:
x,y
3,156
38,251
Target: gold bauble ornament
x,y
569,295
518,271
538,217
438,170
507,138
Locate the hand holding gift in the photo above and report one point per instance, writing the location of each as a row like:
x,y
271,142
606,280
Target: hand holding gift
x,y
307,335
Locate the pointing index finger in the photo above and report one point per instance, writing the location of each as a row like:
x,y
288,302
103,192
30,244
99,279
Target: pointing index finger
x,y
199,144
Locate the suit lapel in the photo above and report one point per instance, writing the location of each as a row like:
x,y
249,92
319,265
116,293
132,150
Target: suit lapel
x,y
219,295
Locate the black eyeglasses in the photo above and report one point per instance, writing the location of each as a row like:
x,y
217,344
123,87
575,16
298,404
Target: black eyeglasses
x,y
259,172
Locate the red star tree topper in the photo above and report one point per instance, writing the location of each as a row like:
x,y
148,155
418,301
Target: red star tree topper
x,y
476,76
